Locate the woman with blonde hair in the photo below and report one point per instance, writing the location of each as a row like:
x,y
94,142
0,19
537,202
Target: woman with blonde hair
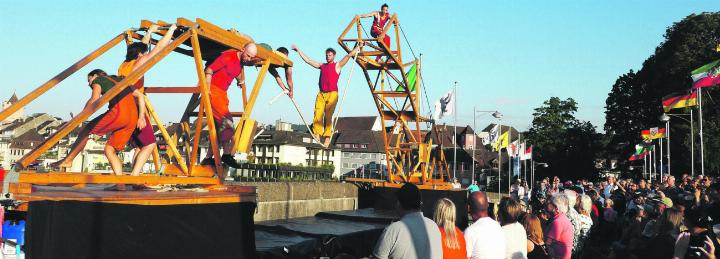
x,y
453,241
535,244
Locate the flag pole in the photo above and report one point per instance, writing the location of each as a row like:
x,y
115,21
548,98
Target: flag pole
x,y
661,158
692,143
499,158
455,134
472,180
702,144
667,132
510,159
654,164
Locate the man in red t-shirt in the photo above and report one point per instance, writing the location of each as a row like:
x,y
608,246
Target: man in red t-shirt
x,y
327,97
220,73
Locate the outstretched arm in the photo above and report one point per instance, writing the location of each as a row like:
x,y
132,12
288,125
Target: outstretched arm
x,y
140,98
148,34
160,45
370,14
308,60
345,59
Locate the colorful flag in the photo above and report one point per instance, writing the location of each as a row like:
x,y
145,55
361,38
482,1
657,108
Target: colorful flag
x,y
502,142
411,78
528,153
513,148
444,106
653,133
492,136
706,75
521,151
679,101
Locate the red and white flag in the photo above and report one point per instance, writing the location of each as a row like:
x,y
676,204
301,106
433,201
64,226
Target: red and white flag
x,y
527,153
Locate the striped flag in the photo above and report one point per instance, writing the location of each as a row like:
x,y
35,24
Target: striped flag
x,y
707,75
653,133
679,101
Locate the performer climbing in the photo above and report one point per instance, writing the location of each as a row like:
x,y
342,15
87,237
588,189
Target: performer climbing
x,y
137,54
220,73
288,74
326,99
380,18
121,119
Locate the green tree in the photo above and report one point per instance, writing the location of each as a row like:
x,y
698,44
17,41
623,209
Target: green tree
x,y
634,103
567,144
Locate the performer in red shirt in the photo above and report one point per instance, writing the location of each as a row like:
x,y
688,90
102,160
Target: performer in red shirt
x,y
327,97
220,73
380,18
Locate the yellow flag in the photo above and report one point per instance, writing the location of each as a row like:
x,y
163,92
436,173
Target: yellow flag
x,y
502,141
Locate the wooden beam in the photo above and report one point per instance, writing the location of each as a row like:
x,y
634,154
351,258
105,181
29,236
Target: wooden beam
x,y
249,106
60,77
196,138
172,145
90,178
205,98
172,90
104,99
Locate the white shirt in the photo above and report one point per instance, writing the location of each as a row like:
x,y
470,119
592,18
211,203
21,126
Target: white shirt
x,y
484,240
608,190
515,241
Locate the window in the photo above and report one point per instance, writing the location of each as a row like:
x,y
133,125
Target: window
x,y
346,155
346,165
354,145
373,156
363,146
277,148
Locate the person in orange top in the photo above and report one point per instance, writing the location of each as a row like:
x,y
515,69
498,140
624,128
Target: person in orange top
x,y
121,119
453,241
220,73
137,54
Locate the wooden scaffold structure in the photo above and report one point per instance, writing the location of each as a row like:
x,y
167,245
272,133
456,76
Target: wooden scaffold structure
x,y
199,39
411,155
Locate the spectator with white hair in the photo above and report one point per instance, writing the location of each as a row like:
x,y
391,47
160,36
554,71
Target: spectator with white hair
x,y
559,237
586,223
573,215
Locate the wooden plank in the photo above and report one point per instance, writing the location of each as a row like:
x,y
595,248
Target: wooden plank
x,y
205,98
104,99
60,77
171,144
144,197
196,138
172,90
251,103
93,178
392,94
240,41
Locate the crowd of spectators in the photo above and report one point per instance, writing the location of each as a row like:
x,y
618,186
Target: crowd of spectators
x,y
612,218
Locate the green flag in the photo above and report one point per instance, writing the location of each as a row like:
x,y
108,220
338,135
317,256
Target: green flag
x,y
411,77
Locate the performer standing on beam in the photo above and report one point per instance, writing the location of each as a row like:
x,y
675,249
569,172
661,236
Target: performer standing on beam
x,y
327,97
220,73
380,18
137,54
121,119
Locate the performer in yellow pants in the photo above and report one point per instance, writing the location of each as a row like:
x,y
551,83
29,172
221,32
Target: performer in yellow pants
x,y
324,108
327,97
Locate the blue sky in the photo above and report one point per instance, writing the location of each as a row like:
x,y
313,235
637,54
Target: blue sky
x,y
505,55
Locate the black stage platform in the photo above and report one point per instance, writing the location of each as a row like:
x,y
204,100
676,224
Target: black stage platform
x,y
81,229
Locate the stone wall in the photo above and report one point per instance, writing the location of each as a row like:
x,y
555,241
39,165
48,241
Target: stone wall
x,y
285,200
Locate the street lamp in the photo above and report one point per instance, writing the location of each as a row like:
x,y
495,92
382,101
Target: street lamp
x,y
665,117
